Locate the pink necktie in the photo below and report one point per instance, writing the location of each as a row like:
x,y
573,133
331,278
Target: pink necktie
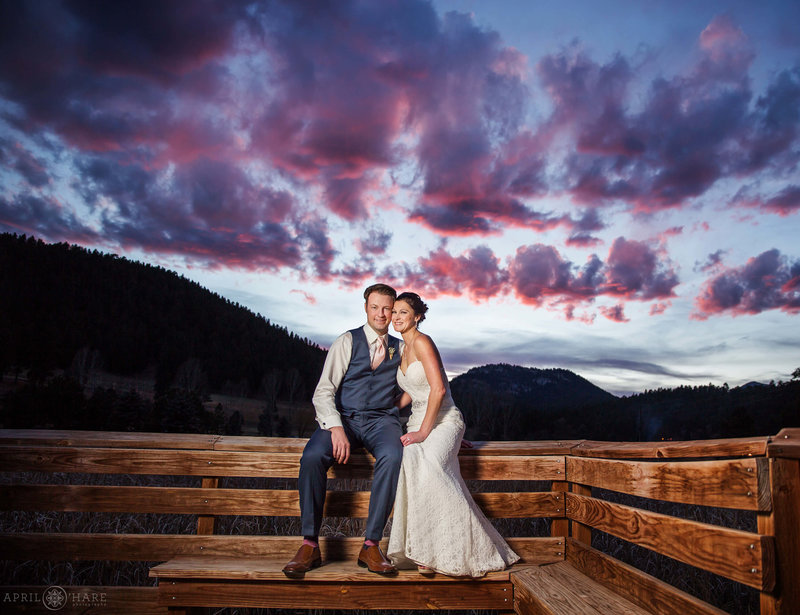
x,y
380,353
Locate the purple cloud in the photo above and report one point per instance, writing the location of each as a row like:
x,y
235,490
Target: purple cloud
x,y
768,281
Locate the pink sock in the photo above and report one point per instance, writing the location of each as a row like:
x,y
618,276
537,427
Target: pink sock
x,y
370,543
310,543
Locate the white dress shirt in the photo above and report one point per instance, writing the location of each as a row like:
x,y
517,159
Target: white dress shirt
x,y
336,364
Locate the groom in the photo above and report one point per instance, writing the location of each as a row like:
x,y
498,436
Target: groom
x,y
355,405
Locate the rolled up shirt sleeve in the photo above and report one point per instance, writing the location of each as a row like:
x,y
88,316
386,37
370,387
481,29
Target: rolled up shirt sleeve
x,y
336,364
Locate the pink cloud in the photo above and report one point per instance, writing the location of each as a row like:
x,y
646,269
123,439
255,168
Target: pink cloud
x,y
726,46
307,297
476,273
615,313
633,270
659,308
766,282
784,203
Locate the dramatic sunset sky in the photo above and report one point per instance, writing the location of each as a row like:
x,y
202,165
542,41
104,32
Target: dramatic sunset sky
x,y
607,186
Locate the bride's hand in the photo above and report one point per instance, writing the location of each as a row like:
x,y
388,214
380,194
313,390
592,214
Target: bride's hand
x,y
412,437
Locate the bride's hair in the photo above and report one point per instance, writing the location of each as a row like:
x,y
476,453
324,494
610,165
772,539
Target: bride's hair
x,y
417,304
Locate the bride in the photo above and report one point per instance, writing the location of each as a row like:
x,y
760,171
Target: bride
x,y
437,526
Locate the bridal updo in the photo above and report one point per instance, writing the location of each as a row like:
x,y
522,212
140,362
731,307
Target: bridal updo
x,y
416,304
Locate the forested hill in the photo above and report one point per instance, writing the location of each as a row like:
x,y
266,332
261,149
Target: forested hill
x,y
508,402
57,301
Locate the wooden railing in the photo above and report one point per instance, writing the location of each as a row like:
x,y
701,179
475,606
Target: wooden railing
x,y
584,492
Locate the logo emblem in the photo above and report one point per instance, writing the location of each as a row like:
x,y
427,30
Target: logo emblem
x,y
54,598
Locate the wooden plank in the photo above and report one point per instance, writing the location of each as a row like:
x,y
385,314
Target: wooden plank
x,y
84,599
368,595
521,505
479,448
260,444
560,589
173,500
152,461
578,530
731,483
640,588
111,439
247,464
785,444
270,569
532,448
730,447
741,556
206,524
538,550
559,527
245,502
769,601
161,547
503,467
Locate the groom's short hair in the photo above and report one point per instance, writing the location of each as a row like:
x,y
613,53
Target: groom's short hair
x,y
381,289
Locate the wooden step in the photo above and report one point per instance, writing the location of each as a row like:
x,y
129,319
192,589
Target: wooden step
x,y
195,581
270,569
561,589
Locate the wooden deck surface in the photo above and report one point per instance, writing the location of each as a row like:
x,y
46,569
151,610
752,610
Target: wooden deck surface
x,y
270,569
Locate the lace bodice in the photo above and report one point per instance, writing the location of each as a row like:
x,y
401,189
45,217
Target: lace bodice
x,y
414,382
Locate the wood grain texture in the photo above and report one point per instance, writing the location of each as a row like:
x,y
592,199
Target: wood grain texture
x,y
479,448
530,448
730,447
785,444
785,521
510,467
561,589
640,588
578,530
253,502
270,569
725,484
162,547
370,594
742,556
206,524
111,439
247,464
559,526
89,600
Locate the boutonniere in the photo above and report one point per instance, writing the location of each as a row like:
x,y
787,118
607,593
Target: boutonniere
x,y
391,352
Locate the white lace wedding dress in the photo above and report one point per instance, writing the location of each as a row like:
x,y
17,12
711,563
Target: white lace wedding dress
x,y
436,522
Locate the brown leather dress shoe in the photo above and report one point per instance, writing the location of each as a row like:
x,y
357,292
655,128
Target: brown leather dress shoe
x,y
306,558
373,559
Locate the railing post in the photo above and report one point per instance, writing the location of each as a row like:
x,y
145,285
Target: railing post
x,y
560,526
579,531
783,522
206,524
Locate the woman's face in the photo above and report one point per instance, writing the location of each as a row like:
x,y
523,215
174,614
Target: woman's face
x,y
403,317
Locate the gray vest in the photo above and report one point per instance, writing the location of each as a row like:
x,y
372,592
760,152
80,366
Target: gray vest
x,y
363,388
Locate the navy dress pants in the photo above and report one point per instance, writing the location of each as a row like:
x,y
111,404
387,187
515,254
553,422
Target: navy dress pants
x,y
379,432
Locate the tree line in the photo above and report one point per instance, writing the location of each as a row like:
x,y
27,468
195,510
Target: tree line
x,y
67,311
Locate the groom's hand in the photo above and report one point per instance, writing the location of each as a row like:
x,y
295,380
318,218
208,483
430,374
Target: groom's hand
x,y
341,445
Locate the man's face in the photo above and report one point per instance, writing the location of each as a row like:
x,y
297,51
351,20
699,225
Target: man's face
x,y
379,311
